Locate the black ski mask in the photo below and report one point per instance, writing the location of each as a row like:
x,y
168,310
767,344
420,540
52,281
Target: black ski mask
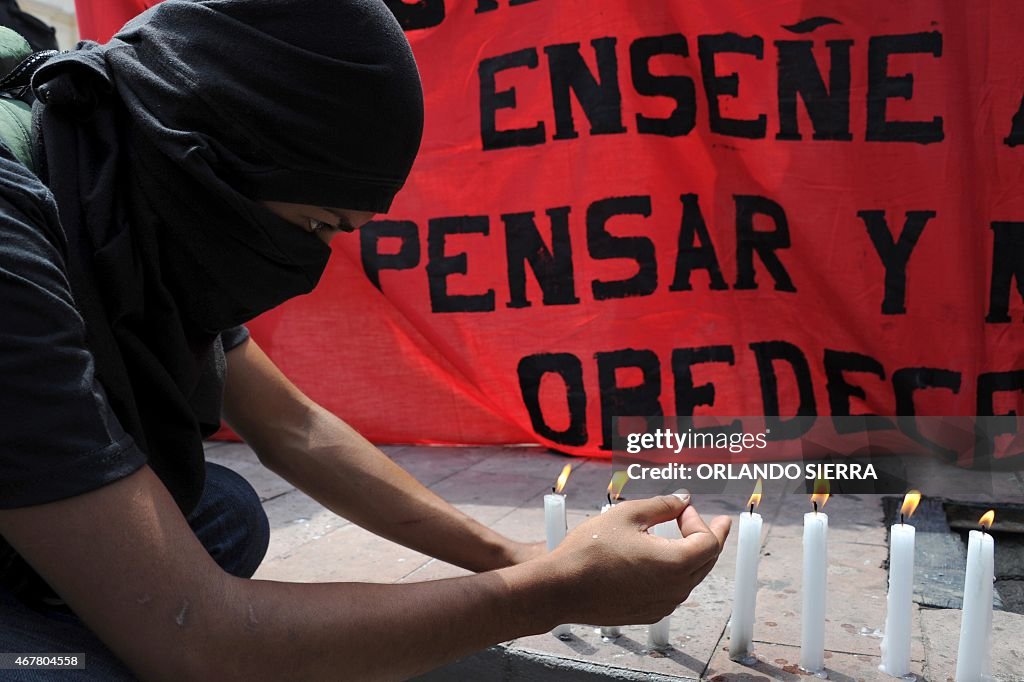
x,y
303,101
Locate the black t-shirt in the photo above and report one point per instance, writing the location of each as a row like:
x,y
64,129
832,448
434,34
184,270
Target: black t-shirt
x,y
58,435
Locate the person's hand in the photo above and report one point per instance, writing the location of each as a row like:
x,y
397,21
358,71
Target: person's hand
x,y
613,572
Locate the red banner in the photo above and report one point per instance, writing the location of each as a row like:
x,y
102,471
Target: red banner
x,y
649,207
100,19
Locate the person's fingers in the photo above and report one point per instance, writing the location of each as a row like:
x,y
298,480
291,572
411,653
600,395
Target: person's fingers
x,y
690,522
654,510
700,542
720,526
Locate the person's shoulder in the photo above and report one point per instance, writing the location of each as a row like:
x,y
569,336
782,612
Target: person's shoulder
x,y
17,178
27,207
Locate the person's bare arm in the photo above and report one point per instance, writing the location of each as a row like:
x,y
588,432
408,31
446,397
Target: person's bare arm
x,y
323,456
126,561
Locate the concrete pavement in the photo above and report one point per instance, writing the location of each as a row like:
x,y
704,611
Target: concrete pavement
x,y
504,487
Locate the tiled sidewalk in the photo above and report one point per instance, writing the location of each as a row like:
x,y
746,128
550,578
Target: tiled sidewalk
x,y
504,487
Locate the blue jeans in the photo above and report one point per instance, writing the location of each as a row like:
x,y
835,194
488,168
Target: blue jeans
x,y
230,522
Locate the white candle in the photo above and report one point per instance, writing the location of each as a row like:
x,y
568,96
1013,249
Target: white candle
x,y
610,631
900,601
899,604
554,519
555,527
974,656
748,553
658,635
812,639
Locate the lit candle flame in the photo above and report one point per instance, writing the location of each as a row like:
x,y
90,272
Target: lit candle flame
x,y
987,519
755,498
615,486
562,478
910,502
820,496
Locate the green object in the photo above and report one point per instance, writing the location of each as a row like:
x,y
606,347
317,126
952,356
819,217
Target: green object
x,y
15,115
13,49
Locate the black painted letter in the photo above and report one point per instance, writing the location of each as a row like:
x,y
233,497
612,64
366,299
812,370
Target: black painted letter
x,y
749,241
407,257
531,370
552,268
882,87
640,400
599,97
491,100
837,364
828,109
895,254
767,353
440,265
689,396
716,86
692,256
1007,265
604,246
680,88
421,14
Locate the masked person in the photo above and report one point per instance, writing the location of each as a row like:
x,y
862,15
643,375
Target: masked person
x,y
190,175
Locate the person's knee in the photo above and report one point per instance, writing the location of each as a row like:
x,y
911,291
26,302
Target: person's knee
x,y
230,522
